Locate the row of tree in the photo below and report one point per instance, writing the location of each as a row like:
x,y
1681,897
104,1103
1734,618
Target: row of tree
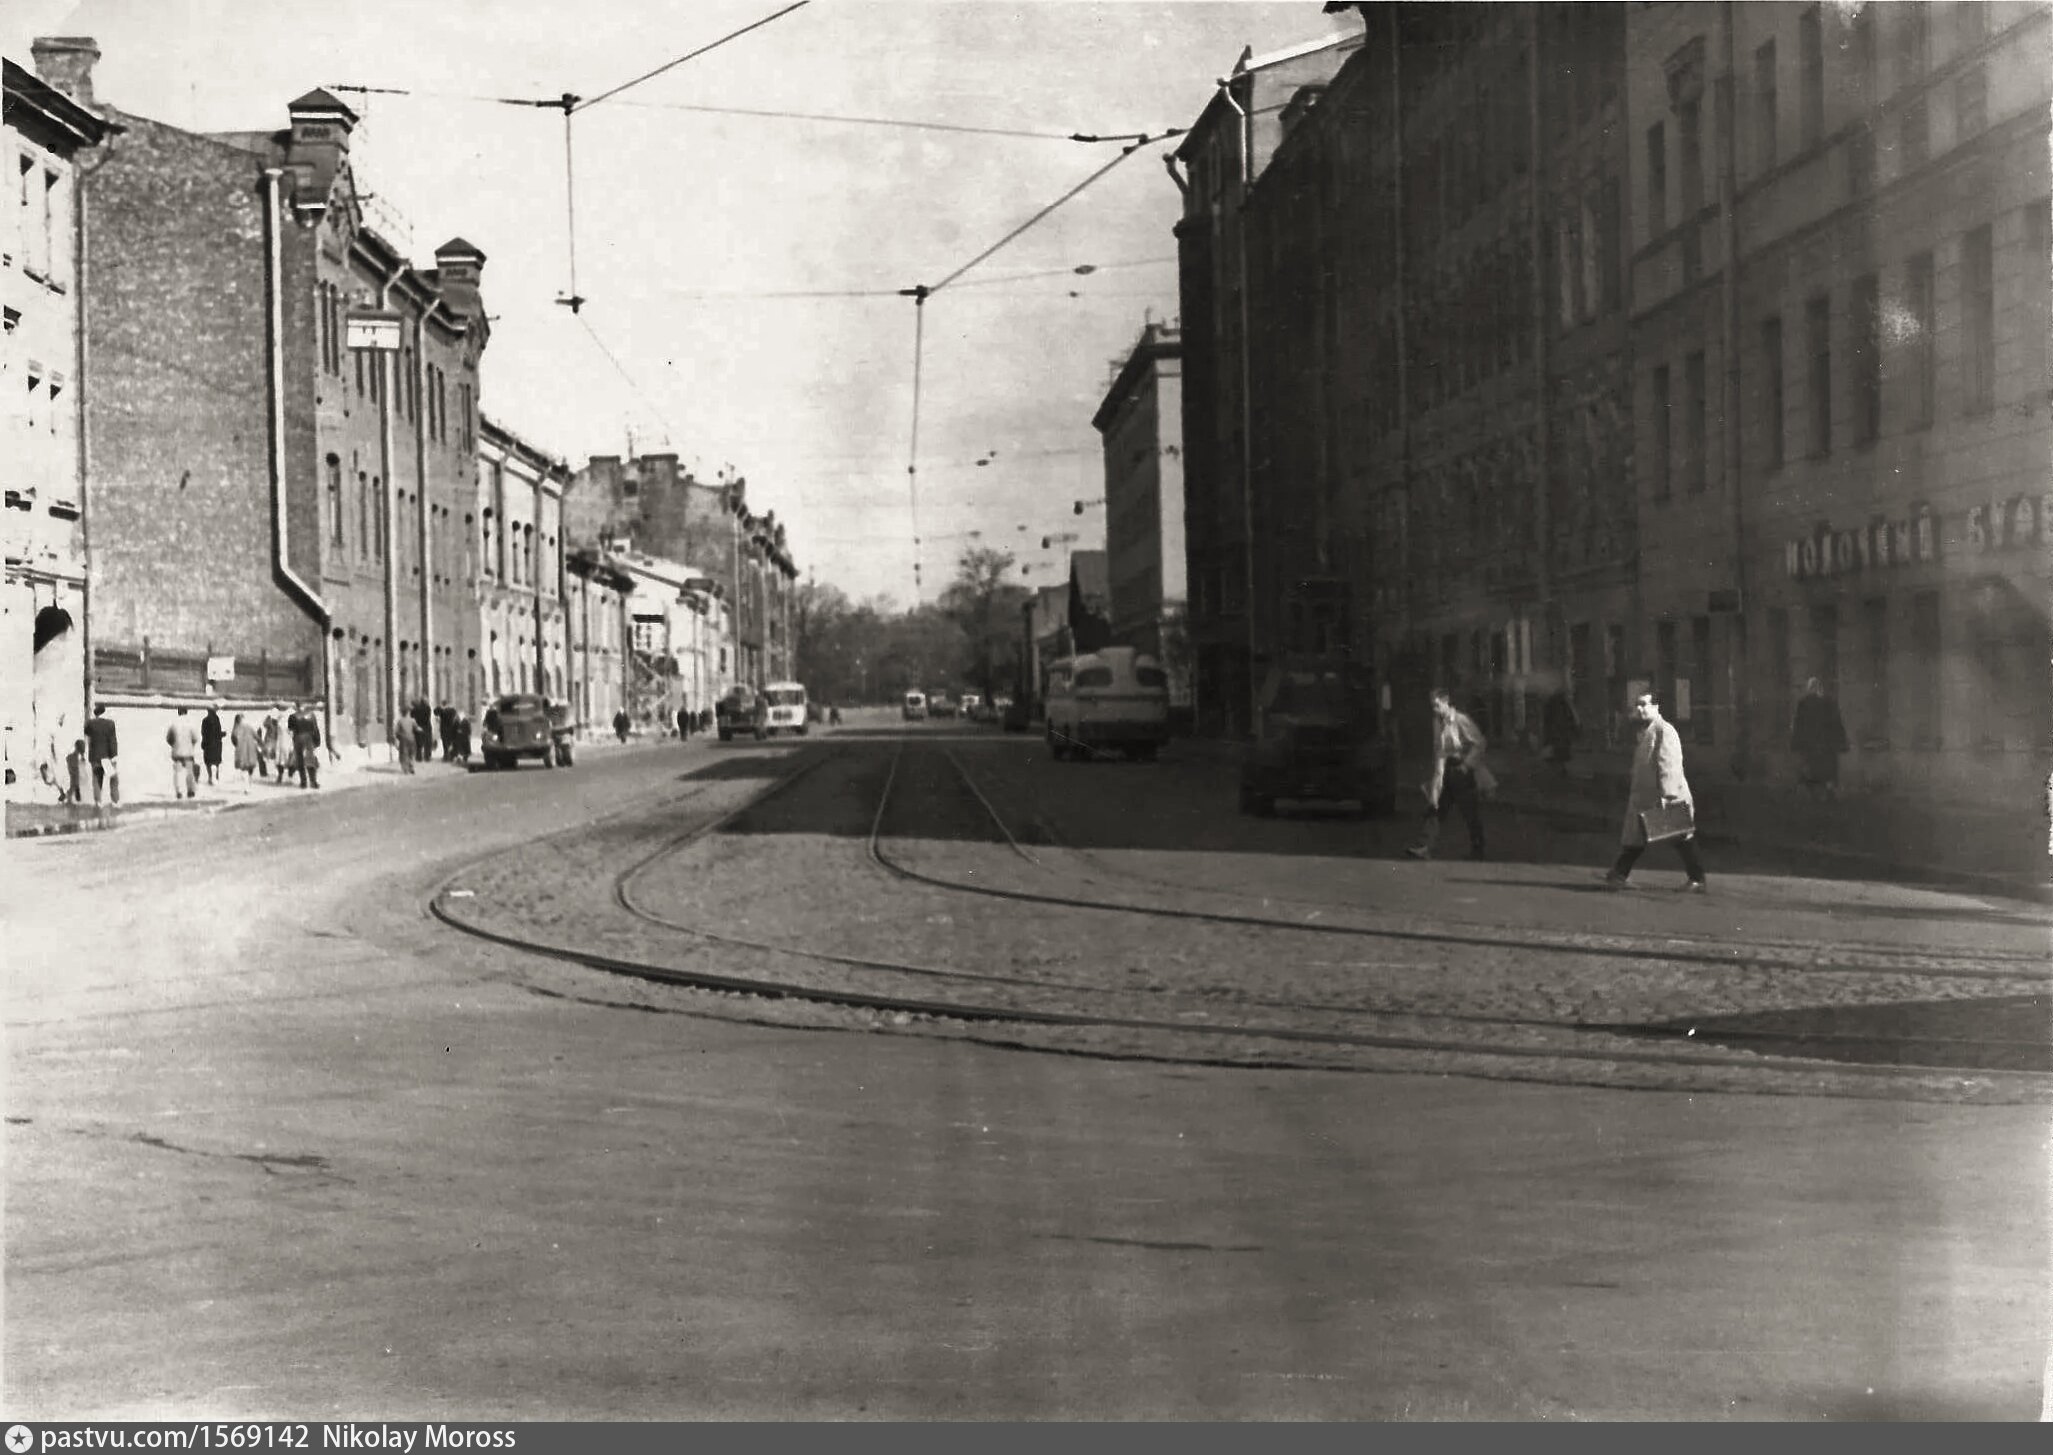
x,y
968,641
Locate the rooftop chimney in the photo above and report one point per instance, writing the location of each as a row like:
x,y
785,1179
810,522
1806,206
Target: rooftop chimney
x,y
460,269
66,62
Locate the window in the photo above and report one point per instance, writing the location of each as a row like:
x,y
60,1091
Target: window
x,y
1771,390
1926,665
378,509
1920,349
1978,322
1914,51
1811,54
1662,428
1825,646
1818,349
1875,665
1703,682
1764,106
335,506
1865,307
363,515
1695,422
357,357
1610,270
1657,180
1917,134
1667,667
1970,103
1689,139
1779,683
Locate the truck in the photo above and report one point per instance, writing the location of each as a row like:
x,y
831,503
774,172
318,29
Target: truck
x,y
1319,736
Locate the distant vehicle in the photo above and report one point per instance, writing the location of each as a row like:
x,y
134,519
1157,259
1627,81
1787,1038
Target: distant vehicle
x,y
915,706
518,726
787,708
1318,736
940,705
971,704
736,711
1114,698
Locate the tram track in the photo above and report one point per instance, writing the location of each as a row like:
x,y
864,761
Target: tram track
x,y
981,1010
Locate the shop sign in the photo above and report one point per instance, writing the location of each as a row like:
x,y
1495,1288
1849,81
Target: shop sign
x,y
2022,520
220,669
1879,545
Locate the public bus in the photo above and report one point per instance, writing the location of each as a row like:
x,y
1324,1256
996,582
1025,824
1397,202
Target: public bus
x,y
915,706
1117,697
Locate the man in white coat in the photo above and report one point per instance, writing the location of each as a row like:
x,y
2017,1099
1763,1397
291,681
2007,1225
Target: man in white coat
x,y
1657,782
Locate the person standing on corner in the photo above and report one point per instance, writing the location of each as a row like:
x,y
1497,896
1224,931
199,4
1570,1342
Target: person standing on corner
x,y
405,741
1457,756
211,735
1818,737
306,746
185,746
1657,782
103,755
243,739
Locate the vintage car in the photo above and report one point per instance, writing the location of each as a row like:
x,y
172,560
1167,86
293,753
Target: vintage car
x,y
519,725
740,709
1318,737
787,708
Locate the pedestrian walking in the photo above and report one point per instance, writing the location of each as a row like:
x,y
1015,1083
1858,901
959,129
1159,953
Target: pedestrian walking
x,y
1657,783
103,754
684,724
1818,737
184,742
306,746
1455,778
1560,727
75,771
242,739
405,741
211,735
268,742
445,722
621,723
423,730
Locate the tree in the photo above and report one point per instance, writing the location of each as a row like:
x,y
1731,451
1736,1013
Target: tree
x,y
984,605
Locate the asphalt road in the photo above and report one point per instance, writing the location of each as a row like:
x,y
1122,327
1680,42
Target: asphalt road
x,y
280,1143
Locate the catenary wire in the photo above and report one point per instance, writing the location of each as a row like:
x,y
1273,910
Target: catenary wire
x,y
588,103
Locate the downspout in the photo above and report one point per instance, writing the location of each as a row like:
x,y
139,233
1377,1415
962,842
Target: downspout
x,y
1543,432
535,584
420,460
275,343
83,452
563,590
387,374
1403,324
1737,678
1245,149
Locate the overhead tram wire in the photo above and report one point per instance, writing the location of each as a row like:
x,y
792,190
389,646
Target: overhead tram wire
x,y
919,293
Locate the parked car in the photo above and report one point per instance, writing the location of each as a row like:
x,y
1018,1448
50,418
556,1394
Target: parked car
x,y
739,710
1318,736
940,704
518,726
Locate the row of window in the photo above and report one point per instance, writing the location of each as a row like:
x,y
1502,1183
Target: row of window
x,y
1905,321
35,223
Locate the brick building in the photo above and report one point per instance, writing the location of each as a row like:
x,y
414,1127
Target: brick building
x,y
1840,231
1140,422
1233,606
525,625
672,516
43,441
313,489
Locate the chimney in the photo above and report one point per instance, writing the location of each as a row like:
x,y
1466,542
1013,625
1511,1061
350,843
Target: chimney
x,y
460,269
319,147
66,62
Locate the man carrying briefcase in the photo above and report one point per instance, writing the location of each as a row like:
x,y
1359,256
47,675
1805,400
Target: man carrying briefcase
x,y
1659,809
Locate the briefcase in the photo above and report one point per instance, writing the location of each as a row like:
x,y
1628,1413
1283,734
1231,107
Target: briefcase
x,y
1675,821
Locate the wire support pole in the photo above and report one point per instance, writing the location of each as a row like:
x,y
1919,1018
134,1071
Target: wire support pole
x,y
919,296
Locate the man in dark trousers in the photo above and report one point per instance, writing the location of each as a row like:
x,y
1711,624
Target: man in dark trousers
x,y
684,723
103,752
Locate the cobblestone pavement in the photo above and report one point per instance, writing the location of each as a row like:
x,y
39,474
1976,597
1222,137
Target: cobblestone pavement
x,y
1345,968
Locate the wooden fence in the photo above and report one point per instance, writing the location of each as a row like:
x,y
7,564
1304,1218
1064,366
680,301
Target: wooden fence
x,y
184,673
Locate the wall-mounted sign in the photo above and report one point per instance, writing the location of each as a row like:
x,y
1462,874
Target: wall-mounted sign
x,y
1879,545
370,329
220,669
2022,520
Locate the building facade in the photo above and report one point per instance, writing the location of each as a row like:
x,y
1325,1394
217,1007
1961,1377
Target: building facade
x,y
681,638
1840,227
1140,422
290,412
597,609
525,624
43,440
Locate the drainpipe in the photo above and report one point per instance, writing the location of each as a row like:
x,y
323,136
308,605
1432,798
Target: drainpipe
x,y
1737,679
275,345
1247,443
1402,321
535,583
563,592
417,386
1543,435
387,374
84,454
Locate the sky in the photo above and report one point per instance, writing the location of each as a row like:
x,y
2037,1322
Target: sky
x,y
688,222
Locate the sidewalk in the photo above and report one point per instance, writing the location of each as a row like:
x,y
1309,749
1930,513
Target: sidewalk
x,y
354,769
1881,836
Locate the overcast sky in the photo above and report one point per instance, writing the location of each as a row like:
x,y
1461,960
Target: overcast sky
x,y
679,211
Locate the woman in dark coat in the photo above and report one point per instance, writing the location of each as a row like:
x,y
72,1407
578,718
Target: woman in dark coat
x,y
211,736
1818,737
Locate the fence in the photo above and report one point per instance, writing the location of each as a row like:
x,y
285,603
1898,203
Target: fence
x,y
178,674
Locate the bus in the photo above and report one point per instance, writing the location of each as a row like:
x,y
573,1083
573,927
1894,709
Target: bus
x,y
915,706
1117,697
